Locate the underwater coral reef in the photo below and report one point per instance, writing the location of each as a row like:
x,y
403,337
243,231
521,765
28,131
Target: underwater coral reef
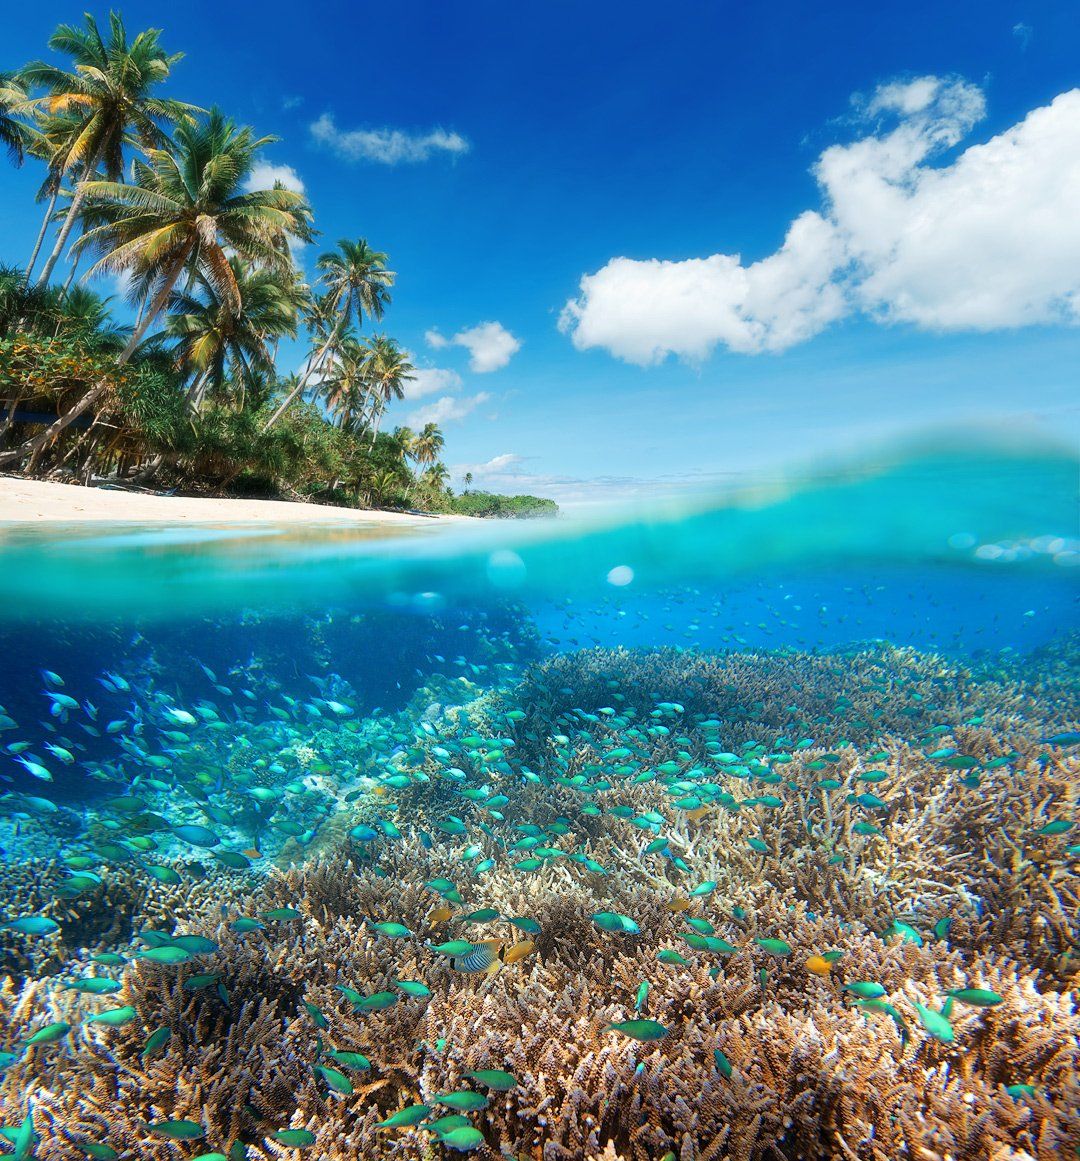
x,y
627,905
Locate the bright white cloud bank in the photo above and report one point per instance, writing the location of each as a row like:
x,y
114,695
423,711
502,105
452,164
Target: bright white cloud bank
x,y
385,146
447,409
429,380
990,239
490,345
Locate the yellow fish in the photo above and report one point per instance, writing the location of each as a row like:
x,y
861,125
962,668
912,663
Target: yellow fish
x,y
441,914
698,813
818,965
677,905
519,951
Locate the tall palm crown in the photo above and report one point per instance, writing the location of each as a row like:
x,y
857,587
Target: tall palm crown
x,y
388,370
354,282
13,132
345,387
427,446
110,92
184,214
214,342
187,211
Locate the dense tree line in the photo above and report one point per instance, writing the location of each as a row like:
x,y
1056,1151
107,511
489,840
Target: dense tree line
x,y
159,194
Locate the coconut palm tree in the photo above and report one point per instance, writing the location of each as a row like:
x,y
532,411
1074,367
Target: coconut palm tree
x,y
346,386
50,137
13,131
355,283
388,370
109,91
428,445
214,342
184,214
435,478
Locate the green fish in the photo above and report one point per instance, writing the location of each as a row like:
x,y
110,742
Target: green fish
x,y
669,955
936,1024
612,921
338,1081
463,1101
283,914
32,925
645,1031
94,986
494,1078
178,1130
294,1138
865,990
413,988
392,930
196,944
114,1017
350,1059
49,1034
410,1115
778,947
164,955
155,1042
976,997
453,947
463,1138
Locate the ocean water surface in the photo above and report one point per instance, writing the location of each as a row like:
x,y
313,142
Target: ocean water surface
x,y
740,826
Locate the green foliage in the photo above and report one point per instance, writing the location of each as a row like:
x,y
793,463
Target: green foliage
x,y
191,396
502,507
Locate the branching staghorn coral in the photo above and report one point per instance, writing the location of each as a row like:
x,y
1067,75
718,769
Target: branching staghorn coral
x,y
808,1071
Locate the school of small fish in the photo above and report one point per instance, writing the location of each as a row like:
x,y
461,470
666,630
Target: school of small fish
x,y
224,778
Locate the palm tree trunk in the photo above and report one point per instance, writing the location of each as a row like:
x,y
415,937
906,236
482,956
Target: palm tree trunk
x,y
41,235
71,217
335,334
74,260
35,445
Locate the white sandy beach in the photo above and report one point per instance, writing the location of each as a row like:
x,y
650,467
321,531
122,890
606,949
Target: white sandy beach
x,y
33,501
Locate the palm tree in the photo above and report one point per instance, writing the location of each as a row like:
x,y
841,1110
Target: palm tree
x,y
468,479
346,386
109,91
13,132
185,212
355,283
388,370
50,139
214,341
435,477
428,445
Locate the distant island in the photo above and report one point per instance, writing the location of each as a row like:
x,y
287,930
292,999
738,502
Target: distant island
x,y
189,398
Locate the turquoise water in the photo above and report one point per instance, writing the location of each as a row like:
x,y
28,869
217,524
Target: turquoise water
x,y
339,824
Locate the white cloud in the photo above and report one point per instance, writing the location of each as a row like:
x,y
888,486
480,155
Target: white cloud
x,y
987,240
264,174
429,380
386,146
1023,33
447,409
490,345
497,467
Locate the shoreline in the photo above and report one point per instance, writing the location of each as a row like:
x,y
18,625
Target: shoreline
x,y
28,502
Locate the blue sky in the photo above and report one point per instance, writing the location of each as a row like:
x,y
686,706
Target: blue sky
x,y
924,157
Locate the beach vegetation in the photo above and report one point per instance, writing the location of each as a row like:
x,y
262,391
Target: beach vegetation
x,y
225,371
